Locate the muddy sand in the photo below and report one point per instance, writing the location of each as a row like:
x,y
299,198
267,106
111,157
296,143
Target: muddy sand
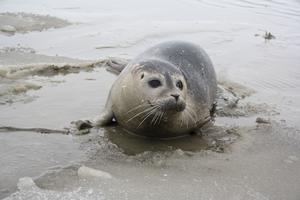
x,y
54,61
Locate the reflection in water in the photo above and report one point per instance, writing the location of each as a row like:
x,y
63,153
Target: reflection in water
x,y
211,138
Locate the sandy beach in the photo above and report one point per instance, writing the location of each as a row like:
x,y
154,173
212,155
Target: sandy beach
x,y
54,57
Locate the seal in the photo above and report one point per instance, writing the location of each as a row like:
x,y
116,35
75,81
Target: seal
x,y
167,91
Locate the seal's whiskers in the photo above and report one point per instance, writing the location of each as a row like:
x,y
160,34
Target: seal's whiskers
x,y
137,107
154,118
157,118
161,117
138,114
188,112
149,114
186,121
192,112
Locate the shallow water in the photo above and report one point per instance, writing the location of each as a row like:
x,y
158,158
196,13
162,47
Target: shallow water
x,y
262,163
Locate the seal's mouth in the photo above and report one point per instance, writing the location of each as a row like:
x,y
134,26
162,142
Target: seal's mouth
x,y
169,105
173,106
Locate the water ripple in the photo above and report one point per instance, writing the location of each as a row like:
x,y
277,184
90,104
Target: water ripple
x,y
290,9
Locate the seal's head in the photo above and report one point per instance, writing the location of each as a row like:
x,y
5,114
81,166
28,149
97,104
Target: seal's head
x,y
161,85
153,98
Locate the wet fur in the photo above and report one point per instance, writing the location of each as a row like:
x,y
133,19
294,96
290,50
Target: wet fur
x,y
154,113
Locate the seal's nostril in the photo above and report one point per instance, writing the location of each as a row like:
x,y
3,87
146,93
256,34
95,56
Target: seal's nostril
x,y
176,96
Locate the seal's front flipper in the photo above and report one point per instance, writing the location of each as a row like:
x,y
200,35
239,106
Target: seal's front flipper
x,y
106,118
116,65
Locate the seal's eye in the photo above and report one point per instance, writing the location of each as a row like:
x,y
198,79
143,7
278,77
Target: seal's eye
x,y
154,83
179,84
142,76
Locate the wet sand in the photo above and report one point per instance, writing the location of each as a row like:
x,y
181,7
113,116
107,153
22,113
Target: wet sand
x,y
12,23
52,76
